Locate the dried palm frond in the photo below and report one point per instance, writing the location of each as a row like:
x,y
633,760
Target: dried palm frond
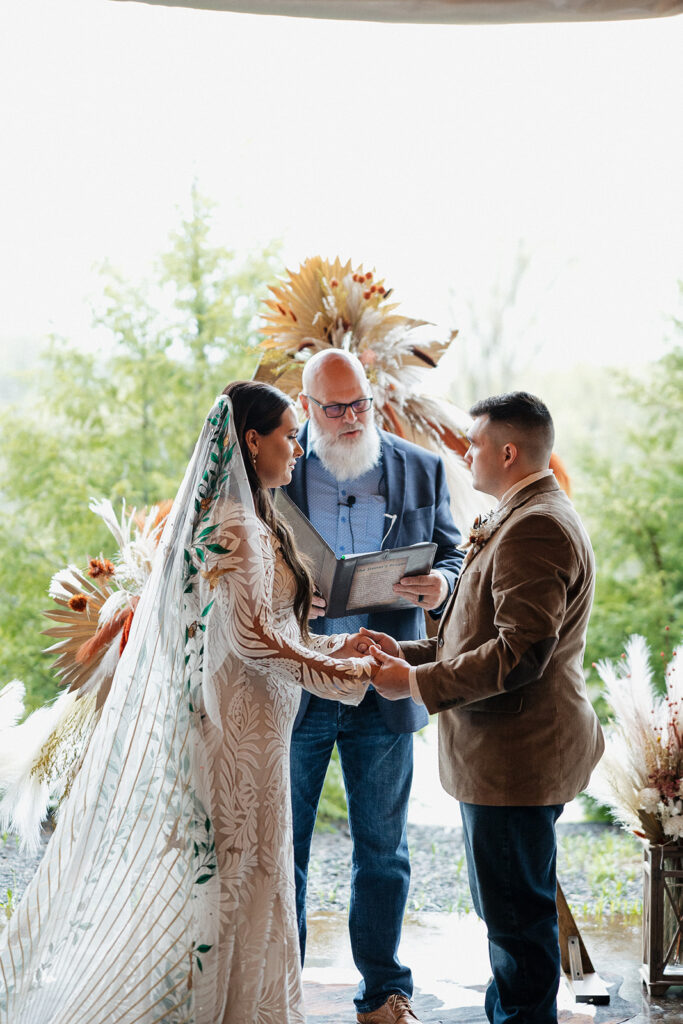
x,y
332,304
94,605
137,535
77,628
40,757
329,304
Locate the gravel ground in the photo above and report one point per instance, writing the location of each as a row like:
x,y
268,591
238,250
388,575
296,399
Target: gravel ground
x,y
611,884
17,869
599,868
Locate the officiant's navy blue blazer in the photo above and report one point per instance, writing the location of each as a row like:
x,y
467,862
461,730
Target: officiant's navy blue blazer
x,y
414,485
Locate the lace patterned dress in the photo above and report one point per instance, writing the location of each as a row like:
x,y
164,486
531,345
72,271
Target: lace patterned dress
x,y
250,780
166,895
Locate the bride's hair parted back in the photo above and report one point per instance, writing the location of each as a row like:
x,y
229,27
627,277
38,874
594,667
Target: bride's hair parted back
x,y
258,406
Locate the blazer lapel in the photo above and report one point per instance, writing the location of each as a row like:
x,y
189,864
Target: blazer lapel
x,y
548,483
394,474
297,488
501,514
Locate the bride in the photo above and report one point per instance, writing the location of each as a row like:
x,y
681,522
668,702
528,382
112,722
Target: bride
x,y
166,893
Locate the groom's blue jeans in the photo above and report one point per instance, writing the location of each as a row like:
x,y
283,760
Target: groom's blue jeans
x,y
511,864
378,767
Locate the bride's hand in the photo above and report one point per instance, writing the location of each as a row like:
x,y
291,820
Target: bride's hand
x,y
366,637
358,644
375,666
355,646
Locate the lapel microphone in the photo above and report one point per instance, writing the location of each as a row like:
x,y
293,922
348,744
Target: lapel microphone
x,y
349,503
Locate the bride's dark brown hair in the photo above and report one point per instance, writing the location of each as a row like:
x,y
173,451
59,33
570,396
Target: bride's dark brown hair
x,y
260,407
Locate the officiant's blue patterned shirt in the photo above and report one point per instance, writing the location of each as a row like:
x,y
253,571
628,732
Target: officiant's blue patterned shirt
x,y
347,530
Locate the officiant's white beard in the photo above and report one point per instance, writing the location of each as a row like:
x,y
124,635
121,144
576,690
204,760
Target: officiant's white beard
x,y
347,458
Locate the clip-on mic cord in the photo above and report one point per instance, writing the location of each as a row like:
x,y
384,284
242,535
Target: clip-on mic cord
x,y
349,503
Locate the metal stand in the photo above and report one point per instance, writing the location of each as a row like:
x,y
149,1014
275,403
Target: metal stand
x,y
587,986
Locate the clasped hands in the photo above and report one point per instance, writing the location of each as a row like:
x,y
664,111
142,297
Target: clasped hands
x,y
391,677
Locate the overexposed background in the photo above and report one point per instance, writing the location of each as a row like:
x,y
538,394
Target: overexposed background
x,y
528,173
429,152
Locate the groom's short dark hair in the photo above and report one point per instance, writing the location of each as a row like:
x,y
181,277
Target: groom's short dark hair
x,y
522,411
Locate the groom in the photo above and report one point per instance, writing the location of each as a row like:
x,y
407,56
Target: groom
x,y
517,734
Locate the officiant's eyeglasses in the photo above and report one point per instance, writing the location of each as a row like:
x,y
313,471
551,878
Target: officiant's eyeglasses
x,y
336,410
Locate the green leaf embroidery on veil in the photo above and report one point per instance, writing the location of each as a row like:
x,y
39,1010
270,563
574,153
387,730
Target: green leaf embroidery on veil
x,y
208,491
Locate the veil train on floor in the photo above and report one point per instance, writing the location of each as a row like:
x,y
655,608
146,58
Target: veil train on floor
x,y
120,920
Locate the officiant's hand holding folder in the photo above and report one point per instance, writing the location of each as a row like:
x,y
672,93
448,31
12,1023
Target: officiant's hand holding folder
x,y
360,582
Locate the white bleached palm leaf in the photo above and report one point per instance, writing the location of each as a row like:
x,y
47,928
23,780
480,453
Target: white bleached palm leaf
x,y
38,760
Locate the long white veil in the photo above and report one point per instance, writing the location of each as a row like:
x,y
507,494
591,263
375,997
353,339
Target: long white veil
x,y
120,922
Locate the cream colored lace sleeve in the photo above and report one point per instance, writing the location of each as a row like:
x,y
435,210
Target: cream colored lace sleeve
x,y
243,569
326,644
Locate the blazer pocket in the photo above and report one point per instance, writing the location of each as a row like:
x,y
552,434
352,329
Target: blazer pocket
x,y
468,583
418,524
500,704
412,515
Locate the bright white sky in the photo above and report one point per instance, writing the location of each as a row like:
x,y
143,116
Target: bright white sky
x,y
426,151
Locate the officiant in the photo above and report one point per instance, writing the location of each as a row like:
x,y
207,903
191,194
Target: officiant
x,y
365,490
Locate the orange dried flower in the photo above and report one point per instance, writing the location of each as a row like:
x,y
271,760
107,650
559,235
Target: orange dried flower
x,y
125,632
366,295
334,283
100,567
79,602
368,276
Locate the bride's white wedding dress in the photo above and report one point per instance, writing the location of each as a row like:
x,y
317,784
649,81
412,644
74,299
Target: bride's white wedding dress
x,y
250,782
166,893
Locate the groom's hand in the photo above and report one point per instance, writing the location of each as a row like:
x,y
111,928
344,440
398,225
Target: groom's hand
x,y
363,640
393,679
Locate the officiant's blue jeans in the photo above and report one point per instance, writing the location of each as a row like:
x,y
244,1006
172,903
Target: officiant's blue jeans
x,y
377,766
511,863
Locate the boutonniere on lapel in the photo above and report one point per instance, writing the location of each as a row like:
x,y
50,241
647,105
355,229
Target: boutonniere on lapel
x,y
483,528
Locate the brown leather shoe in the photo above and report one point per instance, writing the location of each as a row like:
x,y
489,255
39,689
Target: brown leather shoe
x,y
396,1010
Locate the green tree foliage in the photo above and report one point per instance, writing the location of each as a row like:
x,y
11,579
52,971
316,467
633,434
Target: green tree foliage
x,y
632,501
118,423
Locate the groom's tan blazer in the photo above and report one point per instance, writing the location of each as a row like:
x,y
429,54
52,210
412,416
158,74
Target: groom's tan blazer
x,y
505,672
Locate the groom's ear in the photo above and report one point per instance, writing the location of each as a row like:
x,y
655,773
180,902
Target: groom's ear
x,y
510,453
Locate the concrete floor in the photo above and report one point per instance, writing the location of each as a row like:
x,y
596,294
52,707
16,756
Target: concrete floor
x,y
448,956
